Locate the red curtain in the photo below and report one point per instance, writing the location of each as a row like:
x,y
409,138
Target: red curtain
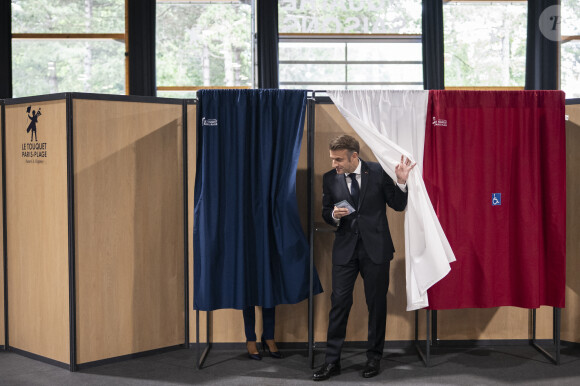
x,y
495,170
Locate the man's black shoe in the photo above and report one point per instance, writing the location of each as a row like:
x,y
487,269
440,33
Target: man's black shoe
x,y
372,368
326,371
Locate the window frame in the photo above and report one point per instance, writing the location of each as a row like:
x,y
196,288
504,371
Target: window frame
x,y
349,38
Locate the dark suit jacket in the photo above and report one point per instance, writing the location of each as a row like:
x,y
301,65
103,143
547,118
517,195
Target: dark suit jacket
x,y
369,220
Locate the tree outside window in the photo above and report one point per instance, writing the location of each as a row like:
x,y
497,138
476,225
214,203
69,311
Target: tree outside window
x,y
570,49
203,44
66,46
485,51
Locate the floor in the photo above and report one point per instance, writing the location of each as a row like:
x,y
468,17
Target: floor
x,y
450,366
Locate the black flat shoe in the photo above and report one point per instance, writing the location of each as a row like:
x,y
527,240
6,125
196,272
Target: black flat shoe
x,y
372,368
326,371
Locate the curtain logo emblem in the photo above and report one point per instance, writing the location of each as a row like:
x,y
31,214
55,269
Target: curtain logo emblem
x,y
208,122
496,199
439,122
33,151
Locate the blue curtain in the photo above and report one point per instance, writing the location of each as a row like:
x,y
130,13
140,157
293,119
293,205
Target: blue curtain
x,y
249,246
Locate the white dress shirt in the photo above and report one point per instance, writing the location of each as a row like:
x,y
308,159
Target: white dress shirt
x,y
403,187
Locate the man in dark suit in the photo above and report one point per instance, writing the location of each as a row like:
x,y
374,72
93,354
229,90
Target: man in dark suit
x,y
362,244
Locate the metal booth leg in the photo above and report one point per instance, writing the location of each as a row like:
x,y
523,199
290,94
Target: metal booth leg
x,y
425,357
201,356
556,316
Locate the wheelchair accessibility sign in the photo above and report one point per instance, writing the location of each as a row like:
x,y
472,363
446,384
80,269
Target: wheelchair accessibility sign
x,y
495,199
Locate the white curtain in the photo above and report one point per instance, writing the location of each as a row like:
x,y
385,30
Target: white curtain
x,y
392,123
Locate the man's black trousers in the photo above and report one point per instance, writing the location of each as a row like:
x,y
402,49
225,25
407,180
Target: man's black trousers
x,y
376,285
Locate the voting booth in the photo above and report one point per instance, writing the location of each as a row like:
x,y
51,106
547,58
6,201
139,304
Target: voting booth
x,y
95,245
98,261
459,326
456,327
330,123
226,325
511,323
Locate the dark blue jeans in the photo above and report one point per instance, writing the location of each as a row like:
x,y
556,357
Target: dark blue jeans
x,y
268,319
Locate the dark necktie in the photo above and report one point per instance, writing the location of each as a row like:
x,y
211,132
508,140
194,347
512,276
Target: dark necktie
x,y
354,188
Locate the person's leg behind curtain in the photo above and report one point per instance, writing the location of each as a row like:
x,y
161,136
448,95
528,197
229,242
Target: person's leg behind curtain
x,y
249,314
269,321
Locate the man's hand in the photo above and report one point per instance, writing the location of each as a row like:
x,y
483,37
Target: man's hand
x,y
402,170
339,212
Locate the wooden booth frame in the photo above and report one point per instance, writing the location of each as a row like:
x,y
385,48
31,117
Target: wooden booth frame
x,y
3,331
72,284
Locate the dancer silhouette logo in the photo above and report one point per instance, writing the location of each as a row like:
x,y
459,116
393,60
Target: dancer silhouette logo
x,y
33,151
33,121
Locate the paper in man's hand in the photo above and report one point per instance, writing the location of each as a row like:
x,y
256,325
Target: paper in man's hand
x,y
345,204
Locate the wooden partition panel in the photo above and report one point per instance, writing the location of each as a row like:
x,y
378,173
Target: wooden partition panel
x,y
571,314
493,323
191,165
2,337
128,180
37,230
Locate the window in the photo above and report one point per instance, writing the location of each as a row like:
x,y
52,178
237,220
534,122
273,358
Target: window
x,y
66,46
327,44
570,48
485,51
203,44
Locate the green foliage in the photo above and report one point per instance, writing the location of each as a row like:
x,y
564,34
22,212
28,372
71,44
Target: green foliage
x,y
45,67
68,16
210,44
48,66
207,44
485,50
570,50
350,16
